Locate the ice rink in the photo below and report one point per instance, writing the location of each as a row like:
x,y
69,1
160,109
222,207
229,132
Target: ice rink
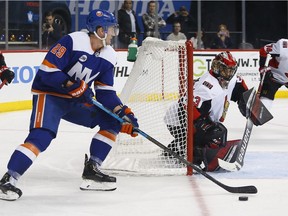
x,y
51,185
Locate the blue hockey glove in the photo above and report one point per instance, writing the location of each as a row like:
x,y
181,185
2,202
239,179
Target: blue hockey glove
x,y
130,121
81,90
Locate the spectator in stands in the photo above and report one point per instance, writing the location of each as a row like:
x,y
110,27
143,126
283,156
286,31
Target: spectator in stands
x,y
128,24
51,30
222,40
203,41
185,19
151,28
176,35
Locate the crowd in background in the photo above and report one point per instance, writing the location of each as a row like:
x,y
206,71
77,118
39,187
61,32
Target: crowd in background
x,y
182,23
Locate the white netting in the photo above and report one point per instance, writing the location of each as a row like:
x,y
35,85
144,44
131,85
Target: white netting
x,y
158,78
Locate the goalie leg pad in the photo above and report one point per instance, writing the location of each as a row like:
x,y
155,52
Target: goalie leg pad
x,y
227,153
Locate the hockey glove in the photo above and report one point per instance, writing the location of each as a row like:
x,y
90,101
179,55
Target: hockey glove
x,y
264,69
81,90
6,74
130,121
204,124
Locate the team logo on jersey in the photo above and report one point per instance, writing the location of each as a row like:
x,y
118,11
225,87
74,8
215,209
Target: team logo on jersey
x,y
83,58
99,13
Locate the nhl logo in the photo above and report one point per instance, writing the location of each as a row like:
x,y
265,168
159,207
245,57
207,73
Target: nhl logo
x,y
83,58
97,53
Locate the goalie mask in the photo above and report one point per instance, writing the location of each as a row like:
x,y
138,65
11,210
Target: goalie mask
x,y
224,67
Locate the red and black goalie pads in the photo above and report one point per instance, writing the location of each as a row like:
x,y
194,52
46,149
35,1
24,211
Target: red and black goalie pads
x,y
227,153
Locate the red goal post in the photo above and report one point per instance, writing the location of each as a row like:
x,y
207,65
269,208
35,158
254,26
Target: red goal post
x,y
161,75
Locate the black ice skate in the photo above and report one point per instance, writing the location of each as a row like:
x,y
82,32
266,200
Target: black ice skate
x,y
94,179
7,190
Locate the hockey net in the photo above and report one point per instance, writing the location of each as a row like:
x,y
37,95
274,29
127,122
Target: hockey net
x,y
159,77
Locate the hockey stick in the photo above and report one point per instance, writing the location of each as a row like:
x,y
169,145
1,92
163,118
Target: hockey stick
x,y
3,83
241,189
239,162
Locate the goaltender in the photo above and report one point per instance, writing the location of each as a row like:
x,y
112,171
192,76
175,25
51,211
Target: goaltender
x,y
212,95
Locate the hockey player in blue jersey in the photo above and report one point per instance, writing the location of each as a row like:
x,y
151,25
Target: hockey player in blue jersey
x,y
61,90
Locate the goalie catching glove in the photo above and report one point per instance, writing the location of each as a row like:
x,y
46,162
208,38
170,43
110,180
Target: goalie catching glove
x,y
81,90
130,122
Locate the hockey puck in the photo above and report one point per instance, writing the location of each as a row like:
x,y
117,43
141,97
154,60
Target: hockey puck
x,y
243,198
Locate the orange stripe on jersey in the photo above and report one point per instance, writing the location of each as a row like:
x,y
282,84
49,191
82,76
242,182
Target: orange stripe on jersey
x,y
48,64
32,148
108,135
39,111
100,84
51,93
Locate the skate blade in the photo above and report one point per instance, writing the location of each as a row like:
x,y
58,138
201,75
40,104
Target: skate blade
x,y
88,184
9,196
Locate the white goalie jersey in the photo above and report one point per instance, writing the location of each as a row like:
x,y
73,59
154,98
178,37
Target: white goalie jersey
x,y
205,89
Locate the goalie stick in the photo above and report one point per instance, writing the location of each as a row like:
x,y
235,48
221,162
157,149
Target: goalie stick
x,y
256,108
250,189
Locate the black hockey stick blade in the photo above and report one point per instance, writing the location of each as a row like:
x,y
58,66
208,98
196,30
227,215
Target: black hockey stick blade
x,y
242,189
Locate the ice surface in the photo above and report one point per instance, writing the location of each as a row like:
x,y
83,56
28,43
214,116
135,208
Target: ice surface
x,y
51,185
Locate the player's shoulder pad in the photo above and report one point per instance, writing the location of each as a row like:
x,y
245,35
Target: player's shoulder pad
x,y
207,87
278,47
109,54
81,42
208,81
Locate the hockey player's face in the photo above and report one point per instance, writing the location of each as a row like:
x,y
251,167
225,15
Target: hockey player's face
x,y
227,72
111,32
223,83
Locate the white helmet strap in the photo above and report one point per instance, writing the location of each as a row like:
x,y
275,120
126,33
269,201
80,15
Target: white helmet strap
x,y
102,39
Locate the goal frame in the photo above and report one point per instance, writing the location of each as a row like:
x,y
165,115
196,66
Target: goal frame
x,y
133,157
